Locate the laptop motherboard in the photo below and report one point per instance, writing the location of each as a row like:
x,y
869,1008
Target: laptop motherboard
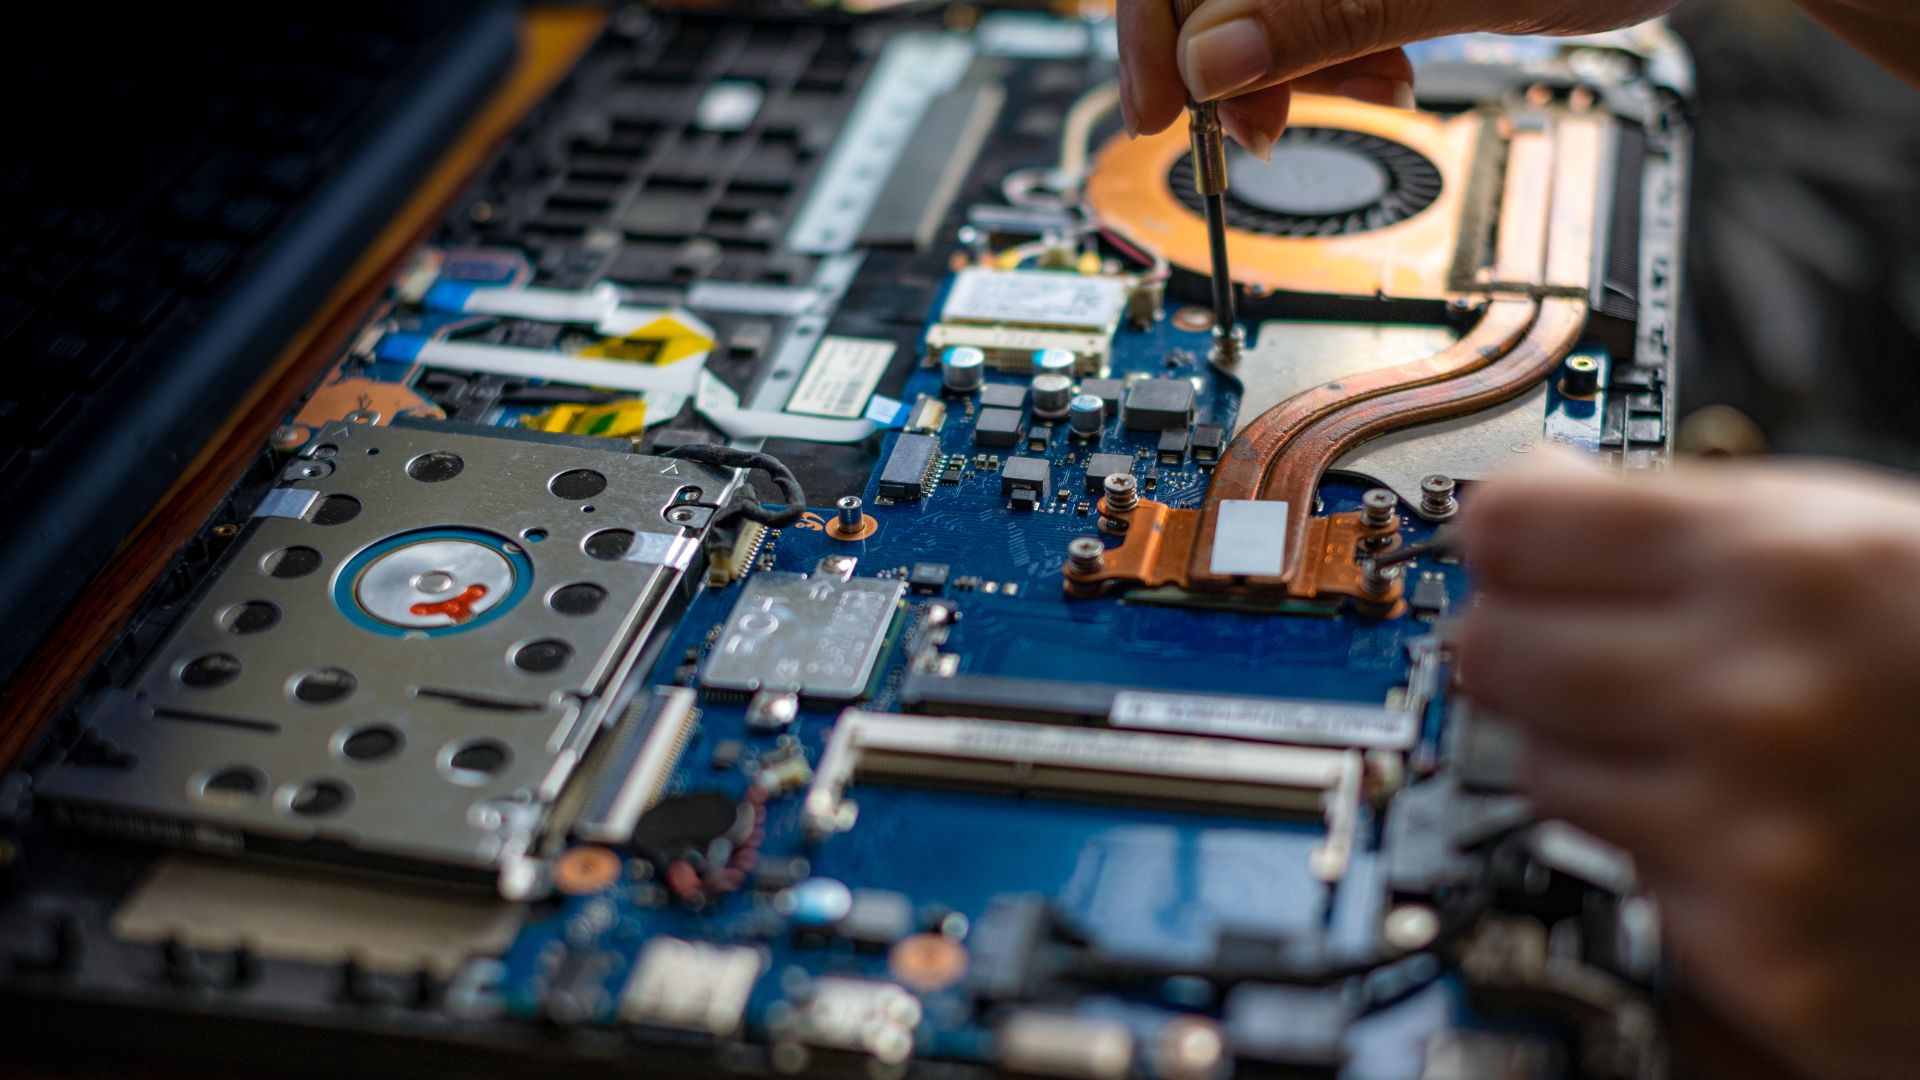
x,y
785,582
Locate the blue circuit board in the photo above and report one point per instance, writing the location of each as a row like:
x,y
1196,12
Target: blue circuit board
x,y
1134,879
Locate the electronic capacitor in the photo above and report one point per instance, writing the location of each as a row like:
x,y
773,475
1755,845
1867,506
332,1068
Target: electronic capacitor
x,y
962,369
1086,415
1052,396
1054,362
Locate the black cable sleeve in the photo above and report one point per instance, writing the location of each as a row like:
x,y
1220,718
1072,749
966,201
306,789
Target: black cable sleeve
x,y
744,506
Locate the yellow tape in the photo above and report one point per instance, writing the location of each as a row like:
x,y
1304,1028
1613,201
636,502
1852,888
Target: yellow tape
x,y
612,421
665,340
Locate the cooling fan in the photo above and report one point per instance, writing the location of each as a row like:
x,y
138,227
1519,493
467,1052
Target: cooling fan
x,y
1359,201
1320,182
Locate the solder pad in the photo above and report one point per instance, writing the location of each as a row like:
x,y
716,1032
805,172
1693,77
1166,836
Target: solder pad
x,y
405,650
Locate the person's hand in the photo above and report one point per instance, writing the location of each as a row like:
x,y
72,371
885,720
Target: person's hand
x,y
1254,52
1719,670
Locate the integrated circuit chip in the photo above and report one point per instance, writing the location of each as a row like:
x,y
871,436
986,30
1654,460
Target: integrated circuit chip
x,y
1173,446
909,465
1208,441
928,577
1025,474
1158,404
816,636
1002,396
1109,391
997,428
1101,466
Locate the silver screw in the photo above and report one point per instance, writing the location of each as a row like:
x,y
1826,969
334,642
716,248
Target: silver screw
x,y
1411,926
1379,505
1436,498
1123,492
681,516
850,516
1379,580
1227,342
1086,555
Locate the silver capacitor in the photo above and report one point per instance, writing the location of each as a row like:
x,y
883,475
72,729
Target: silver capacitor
x,y
1052,396
962,369
1054,362
1086,415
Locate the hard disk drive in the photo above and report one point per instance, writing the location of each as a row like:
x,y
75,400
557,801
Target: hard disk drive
x,y
406,654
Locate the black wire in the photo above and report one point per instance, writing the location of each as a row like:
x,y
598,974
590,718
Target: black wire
x,y
743,504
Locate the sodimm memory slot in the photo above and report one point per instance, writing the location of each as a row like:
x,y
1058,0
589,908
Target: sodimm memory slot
x,y
1088,763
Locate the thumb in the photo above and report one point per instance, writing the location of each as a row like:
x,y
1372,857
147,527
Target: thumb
x,y
1229,47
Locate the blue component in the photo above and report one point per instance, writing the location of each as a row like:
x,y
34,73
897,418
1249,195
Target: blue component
x,y
1577,422
1141,880
401,348
1086,414
887,412
448,296
815,902
343,585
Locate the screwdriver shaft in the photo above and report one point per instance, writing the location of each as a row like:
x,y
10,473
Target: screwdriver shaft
x,y
1210,180
1223,313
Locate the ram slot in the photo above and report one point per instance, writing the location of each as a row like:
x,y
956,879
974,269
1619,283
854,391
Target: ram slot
x,y
1088,763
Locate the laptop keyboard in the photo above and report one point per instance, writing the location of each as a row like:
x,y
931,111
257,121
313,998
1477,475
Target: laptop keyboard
x,y
193,154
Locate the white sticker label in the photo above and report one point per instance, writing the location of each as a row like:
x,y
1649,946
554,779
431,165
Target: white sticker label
x,y
1035,298
663,549
1250,538
1309,723
286,503
841,377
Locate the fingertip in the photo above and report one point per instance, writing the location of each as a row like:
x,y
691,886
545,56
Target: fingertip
x,y
1380,78
1256,120
1151,93
1378,90
1248,137
1155,121
1216,61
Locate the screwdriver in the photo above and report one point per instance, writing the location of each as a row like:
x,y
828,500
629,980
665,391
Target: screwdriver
x,y
1210,180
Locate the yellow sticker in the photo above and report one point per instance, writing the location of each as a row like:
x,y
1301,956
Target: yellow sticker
x,y
620,419
665,340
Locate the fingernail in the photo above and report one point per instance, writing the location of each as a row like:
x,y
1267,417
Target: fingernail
x,y
1379,90
1225,58
1257,142
1129,115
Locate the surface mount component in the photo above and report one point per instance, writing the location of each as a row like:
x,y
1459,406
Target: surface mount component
x,y
691,986
1158,404
1026,474
909,468
813,635
1101,466
997,428
1003,396
404,657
